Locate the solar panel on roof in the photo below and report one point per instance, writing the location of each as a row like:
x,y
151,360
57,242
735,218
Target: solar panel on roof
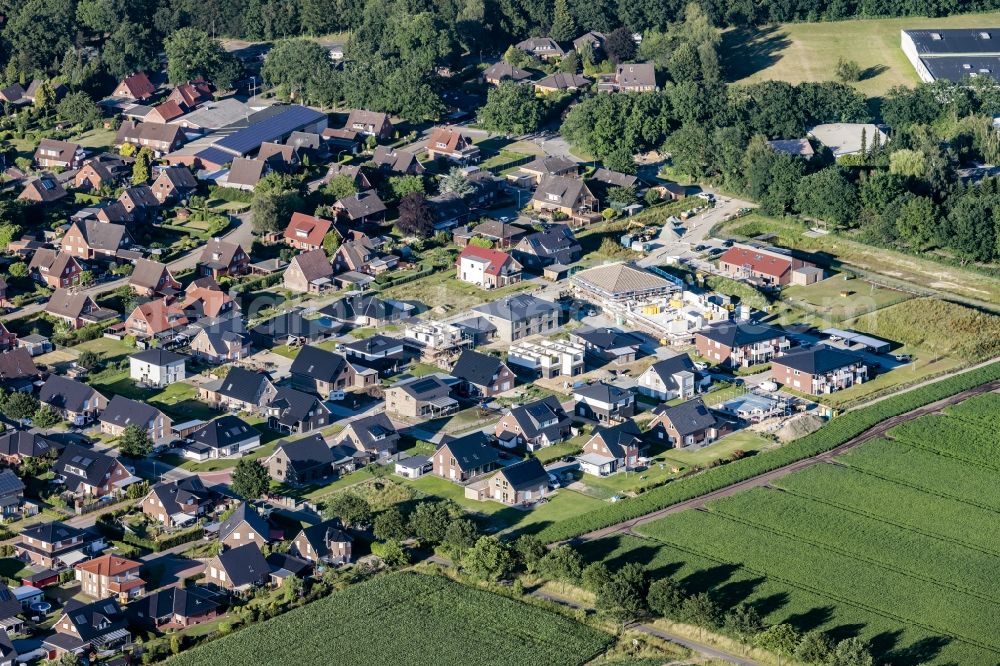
x,y
250,138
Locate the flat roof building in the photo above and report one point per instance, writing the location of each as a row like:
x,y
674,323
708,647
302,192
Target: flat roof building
x,y
953,54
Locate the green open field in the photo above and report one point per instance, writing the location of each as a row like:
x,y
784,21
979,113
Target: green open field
x,y
443,290
897,543
797,52
837,299
412,619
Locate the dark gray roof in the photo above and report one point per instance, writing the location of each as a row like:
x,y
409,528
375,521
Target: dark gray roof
x,y
956,41
321,535
245,565
95,619
103,235
526,474
477,369
183,495
602,391
244,513
64,393
10,484
517,308
51,532
224,432
818,360
540,417
243,385
419,387
472,451
374,431
376,344
317,363
668,367
688,417
503,70
362,204
188,602
614,178
367,305
27,444
158,357
123,412
307,453
294,406
565,190
282,122
618,437
78,465
607,338
736,334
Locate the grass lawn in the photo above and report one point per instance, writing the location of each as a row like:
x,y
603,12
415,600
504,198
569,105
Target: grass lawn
x,y
179,401
503,157
564,504
570,447
343,482
838,299
286,351
798,52
107,348
97,139
447,292
435,485
745,440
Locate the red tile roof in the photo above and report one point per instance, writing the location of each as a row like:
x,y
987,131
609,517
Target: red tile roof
x,y
765,263
496,258
309,229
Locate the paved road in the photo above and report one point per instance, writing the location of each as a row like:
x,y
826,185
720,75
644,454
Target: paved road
x,y
764,479
695,231
242,234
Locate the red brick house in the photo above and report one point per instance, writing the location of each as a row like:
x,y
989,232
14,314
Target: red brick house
x,y
465,458
221,258
135,87
54,269
686,424
819,370
451,144
764,266
483,375
306,232
740,344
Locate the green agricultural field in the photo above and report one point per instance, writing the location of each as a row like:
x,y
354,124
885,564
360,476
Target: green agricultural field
x,y
836,299
797,52
865,547
407,618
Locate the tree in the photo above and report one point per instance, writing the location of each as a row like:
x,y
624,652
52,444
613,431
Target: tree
x,y
429,521
331,241
743,621
619,45
20,406
689,149
135,442
352,509
623,196
77,108
848,70
44,417
814,648
850,652
530,550
665,598
403,185
490,559
779,639
455,182
908,163
917,222
45,97
86,278
70,659
274,200
340,187
389,526
130,48
297,67
192,53
140,168
250,479
88,359
38,32
563,563
563,26
623,597
18,269
828,196
511,108
460,535
415,217
701,611
391,552
518,58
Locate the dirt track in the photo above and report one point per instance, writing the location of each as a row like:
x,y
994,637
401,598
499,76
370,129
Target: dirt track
x,y
766,478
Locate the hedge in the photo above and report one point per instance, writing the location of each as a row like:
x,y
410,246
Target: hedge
x,y
230,194
839,430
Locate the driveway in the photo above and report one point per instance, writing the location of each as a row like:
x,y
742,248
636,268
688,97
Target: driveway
x,y
695,231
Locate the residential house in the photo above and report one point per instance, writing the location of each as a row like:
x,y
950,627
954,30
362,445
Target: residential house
x,y
240,390
12,93
547,359
561,82
740,344
760,266
244,525
87,473
669,379
370,123
435,340
604,179
306,232
59,154
100,626
689,423
44,190
413,467
305,460
18,371
420,397
292,412
177,503
378,352
56,545
54,269
592,39
367,310
238,569
362,208
607,344
174,608
155,317
554,245
463,459
629,77
136,87
221,258
157,368
360,254
611,450
535,425
449,143
217,345
523,483
164,112
604,403
204,298
486,268
520,316
503,235
191,95
74,401
16,446
150,278
11,503
397,162
138,203
321,372
161,138
794,147
280,157
543,48
10,622
353,172
309,272
92,239
448,210
374,434
621,282
173,184
77,309
324,542
341,141
123,412
567,197
482,375
502,71
93,176
225,436
292,328
245,173
111,576
819,370
534,172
